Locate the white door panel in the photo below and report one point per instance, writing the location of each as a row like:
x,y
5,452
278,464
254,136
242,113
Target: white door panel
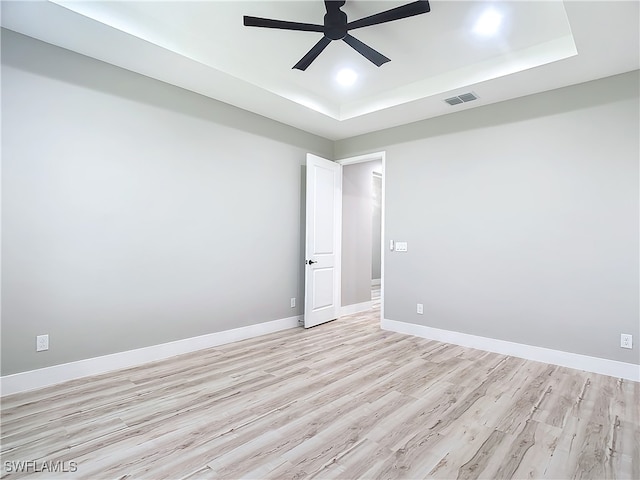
x,y
323,291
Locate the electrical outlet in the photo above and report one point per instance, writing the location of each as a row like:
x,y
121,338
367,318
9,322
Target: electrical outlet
x,y
626,340
419,309
293,302
42,343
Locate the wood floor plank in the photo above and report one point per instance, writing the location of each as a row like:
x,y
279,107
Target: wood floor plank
x,y
343,400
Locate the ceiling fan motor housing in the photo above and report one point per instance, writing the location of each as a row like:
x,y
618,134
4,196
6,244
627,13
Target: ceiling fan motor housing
x,y
335,21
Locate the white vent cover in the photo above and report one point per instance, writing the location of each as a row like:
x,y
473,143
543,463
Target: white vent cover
x,y
462,98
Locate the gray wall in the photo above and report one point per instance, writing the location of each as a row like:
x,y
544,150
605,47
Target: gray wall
x,y
357,224
521,218
136,213
376,229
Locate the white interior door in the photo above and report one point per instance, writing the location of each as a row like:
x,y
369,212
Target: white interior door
x,y
323,237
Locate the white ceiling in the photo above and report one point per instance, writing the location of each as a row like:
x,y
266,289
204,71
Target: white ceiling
x,y
203,46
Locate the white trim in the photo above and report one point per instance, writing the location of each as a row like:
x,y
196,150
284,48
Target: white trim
x,y
367,157
602,366
43,377
375,282
355,308
383,220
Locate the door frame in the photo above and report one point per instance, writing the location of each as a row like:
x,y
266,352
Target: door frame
x,y
368,157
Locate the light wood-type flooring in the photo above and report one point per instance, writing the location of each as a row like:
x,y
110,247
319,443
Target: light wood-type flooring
x,y
342,400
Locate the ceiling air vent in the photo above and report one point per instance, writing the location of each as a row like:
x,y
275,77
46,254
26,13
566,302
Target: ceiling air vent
x,y
464,97
453,101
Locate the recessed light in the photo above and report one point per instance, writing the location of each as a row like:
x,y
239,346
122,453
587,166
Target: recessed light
x,y
488,22
346,77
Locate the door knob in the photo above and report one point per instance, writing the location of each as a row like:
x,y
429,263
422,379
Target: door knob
x,y
310,262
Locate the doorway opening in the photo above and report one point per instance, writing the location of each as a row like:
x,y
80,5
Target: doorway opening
x,y
362,272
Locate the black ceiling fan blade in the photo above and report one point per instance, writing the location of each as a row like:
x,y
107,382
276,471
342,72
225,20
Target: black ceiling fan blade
x,y
281,24
398,13
366,51
312,54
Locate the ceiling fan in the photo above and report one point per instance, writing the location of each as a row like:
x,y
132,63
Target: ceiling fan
x,y
336,27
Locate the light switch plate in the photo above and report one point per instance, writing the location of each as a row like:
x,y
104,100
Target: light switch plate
x,y
401,246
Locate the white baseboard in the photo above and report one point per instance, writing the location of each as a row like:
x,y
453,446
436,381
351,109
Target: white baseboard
x,y
613,368
355,308
43,377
